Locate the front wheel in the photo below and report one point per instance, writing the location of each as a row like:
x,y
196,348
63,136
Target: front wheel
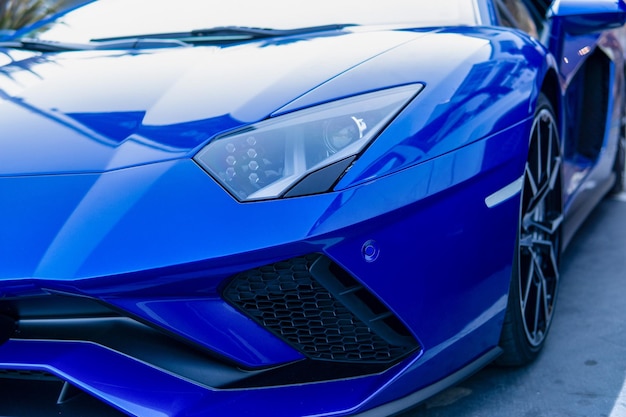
x,y
535,277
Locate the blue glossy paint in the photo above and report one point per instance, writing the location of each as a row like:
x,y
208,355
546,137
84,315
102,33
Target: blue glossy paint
x,y
124,117
101,198
587,15
488,62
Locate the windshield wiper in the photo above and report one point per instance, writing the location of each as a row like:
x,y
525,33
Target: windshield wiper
x,y
226,34
229,34
128,43
40,46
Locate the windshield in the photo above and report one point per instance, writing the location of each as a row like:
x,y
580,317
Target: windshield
x,y
127,18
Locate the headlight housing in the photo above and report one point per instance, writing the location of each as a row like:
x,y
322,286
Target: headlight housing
x,y
304,152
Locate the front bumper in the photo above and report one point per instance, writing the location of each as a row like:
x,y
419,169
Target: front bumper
x,y
161,323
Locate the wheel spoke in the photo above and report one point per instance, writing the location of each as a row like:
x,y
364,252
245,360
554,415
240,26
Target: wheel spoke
x,y
549,226
542,187
532,182
555,173
535,329
540,287
529,281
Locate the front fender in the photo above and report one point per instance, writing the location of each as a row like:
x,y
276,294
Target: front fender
x,y
479,81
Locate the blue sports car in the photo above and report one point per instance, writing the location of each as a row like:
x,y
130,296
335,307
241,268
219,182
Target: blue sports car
x,y
290,208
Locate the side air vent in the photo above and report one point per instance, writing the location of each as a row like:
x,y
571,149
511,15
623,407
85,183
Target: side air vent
x,y
594,78
321,310
26,375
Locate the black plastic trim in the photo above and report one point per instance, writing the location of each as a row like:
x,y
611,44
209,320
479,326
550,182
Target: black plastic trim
x,y
138,341
417,397
320,181
362,303
77,318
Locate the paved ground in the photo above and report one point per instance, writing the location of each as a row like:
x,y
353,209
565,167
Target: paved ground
x,y
582,371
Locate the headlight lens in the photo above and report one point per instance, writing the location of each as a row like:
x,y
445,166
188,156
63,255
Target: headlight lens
x,y
268,159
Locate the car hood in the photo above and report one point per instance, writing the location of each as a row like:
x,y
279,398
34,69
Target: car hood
x,y
96,111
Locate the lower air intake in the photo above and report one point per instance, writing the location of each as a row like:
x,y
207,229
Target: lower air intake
x,y
321,310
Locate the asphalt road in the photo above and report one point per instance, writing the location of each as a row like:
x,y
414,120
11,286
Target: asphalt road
x,y
582,370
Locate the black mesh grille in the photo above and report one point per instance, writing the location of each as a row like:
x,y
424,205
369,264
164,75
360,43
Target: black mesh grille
x,y
337,321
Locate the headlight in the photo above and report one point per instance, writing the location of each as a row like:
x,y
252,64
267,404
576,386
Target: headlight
x,y
301,153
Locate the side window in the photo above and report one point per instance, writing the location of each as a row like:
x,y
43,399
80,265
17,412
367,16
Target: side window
x,y
515,14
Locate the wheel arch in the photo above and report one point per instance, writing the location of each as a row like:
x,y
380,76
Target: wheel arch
x,y
552,90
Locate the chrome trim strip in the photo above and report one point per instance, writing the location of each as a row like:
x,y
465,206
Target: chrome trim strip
x,y
505,193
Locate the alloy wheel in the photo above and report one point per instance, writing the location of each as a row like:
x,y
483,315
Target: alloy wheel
x,y
539,244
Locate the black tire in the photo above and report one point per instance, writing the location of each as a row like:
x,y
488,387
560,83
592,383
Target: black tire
x,y
535,277
620,161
